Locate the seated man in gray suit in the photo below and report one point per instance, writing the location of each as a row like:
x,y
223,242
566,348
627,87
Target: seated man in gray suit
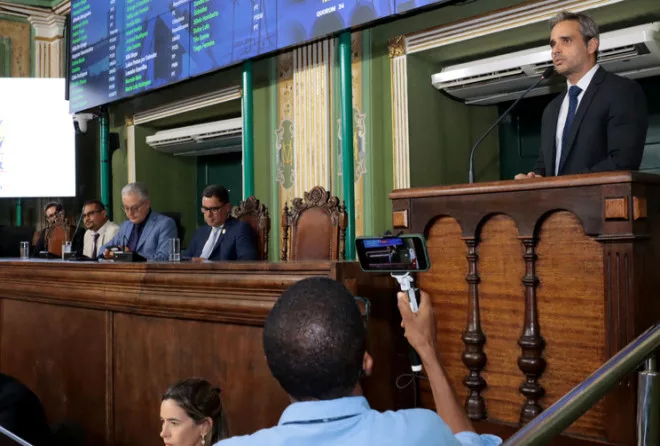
x,y
146,232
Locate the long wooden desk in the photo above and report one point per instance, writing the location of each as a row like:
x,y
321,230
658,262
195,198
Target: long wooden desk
x,y
536,284
100,343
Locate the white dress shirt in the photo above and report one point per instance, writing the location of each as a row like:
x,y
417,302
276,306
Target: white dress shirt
x,y
106,232
563,111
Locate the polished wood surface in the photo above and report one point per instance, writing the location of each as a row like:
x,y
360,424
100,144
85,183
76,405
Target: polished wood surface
x,y
100,343
536,283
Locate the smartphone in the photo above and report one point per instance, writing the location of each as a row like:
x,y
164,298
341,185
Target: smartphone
x,y
393,254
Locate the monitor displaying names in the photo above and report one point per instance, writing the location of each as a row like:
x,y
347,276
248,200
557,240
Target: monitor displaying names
x,y
119,48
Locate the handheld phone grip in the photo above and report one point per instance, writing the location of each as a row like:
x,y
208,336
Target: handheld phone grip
x,y
405,281
413,356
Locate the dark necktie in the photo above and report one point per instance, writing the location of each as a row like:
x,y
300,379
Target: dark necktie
x,y
573,94
133,239
95,248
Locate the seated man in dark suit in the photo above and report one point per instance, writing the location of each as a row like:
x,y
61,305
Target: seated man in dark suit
x,y
224,237
22,414
146,232
600,123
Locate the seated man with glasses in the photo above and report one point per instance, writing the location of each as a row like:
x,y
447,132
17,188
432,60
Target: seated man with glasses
x,y
315,344
99,230
146,232
55,218
224,237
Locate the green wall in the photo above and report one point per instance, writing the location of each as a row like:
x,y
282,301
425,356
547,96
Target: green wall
x,y
119,172
172,180
265,122
442,131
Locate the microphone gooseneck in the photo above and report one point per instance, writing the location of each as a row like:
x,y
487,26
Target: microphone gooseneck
x,y
549,72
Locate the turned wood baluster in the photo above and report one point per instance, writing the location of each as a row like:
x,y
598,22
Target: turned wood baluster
x,y
531,362
474,339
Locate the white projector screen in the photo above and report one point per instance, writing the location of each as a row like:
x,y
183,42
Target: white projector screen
x,y
37,139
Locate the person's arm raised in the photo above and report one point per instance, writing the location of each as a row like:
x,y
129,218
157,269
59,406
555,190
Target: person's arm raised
x,y
421,334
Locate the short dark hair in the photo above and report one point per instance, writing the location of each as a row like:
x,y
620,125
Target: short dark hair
x,y
98,204
219,192
588,27
199,399
314,340
57,205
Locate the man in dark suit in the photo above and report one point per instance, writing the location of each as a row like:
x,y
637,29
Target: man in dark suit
x,y
599,124
224,237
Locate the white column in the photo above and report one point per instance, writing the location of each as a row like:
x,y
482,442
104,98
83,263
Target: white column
x,y
399,88
48,45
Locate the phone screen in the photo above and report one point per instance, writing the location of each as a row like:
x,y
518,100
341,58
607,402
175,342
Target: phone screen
x,y
402,253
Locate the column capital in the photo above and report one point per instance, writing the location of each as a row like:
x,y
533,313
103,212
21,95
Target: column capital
x,y
47,27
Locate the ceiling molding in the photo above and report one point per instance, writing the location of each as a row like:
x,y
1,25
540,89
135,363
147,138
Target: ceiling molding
x,y
495,21
186,105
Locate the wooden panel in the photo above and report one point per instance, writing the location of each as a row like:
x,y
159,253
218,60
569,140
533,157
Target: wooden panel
x,y
400,219
150,355
446,284
502,298
597,289
616,208
59,353
640,209
570,269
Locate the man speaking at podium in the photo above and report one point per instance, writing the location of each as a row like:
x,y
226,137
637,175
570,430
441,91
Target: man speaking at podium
x,y
146,232
599,124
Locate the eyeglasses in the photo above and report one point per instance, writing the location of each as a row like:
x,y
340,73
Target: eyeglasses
x,y
213,210
133,209
90,213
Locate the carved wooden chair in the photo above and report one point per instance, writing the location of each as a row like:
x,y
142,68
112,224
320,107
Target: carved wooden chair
x,y
256,215
314,228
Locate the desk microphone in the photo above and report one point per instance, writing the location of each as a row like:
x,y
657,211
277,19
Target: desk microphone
x,y
82,212
546,75
405,281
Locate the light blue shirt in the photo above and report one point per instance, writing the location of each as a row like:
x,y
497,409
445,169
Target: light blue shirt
x,y
351,422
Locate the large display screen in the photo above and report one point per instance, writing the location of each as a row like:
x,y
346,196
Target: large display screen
x,y
120,48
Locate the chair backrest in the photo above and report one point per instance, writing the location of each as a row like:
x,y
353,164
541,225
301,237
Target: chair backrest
x,y
256,215
56,235
180,230
317,226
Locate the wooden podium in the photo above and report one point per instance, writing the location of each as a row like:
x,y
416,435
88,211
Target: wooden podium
x,y
535,284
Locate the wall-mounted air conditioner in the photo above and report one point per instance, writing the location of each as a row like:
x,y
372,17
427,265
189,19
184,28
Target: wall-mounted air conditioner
x,y
202,139
632,52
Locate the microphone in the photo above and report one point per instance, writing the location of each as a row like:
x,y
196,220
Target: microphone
x,y
548,73
82,211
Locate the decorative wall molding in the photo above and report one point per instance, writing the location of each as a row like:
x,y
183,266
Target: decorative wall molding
x,y
312,65
186,105
400,137
48,44
496,21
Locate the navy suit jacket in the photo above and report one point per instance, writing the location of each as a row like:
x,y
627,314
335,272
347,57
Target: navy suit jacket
x,y
154,241
235,242
608,132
